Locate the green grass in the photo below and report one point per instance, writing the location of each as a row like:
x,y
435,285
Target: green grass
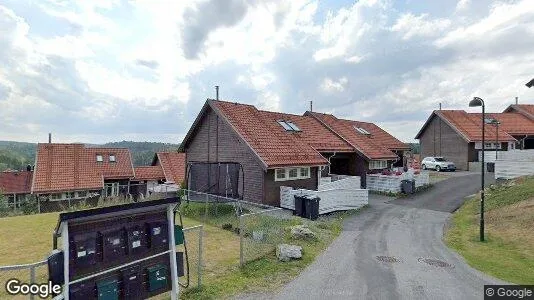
x,y
508,252
28,239
267,273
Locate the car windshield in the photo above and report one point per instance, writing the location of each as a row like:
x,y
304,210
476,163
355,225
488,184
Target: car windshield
x,y
440,159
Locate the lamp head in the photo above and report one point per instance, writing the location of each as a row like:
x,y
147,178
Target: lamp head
x,y
476,102
530,83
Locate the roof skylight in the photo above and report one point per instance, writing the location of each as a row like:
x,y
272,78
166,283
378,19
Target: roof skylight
x,y
362,131
288,125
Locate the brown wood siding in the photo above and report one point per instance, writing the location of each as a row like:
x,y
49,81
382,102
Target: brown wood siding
x,y
448,144
272,187
214,140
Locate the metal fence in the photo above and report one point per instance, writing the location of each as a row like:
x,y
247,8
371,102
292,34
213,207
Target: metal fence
x,y
259,228
27,273
38,272
194,241
260,231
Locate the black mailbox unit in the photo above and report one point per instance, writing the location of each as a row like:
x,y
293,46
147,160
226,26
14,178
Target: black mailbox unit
x,y
118,252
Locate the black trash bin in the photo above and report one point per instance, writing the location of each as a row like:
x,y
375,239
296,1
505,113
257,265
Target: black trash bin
x,y
408,186
491,167
311,210
299,205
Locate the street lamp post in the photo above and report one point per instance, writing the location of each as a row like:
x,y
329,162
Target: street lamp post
x,y
497,144
475,103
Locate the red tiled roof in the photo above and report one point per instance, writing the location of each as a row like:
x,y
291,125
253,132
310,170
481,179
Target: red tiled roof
x,y
274,146
149,173
370,146
469,125
524,109
312,132
67,167
381,136
14,182
513,123
173,165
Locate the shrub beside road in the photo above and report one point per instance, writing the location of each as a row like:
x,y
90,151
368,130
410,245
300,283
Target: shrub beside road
x,y
508,252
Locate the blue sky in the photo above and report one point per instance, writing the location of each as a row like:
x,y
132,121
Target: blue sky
x,y
99,71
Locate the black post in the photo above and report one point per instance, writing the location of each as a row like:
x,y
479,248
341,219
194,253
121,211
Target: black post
x,y
482,191
498,143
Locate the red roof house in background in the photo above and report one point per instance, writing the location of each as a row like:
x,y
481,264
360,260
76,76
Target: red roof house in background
x,y
15,185
278,149
457,134
173,166
72,170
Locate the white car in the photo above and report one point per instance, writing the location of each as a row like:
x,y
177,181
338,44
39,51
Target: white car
x,y
437,163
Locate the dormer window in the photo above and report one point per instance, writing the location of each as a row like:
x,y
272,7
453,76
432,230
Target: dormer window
x,y
362,131
99,158
112,158
288,125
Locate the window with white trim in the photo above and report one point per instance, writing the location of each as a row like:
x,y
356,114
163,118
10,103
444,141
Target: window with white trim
x,y
293,173
378,164
112,158
99,158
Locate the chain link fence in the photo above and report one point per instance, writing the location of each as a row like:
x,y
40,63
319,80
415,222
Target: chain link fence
x,y
193,260
261,229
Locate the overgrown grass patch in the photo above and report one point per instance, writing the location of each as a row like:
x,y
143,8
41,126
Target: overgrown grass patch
x,y
508,252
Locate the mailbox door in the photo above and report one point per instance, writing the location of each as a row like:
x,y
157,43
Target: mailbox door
x,y
132,282
136,240
113,244
84,251
157,277
108,289
82,290
158,235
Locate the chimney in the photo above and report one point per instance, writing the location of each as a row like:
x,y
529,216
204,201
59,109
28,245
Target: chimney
x,y
50,138
440,106
516,100
311,105
216,92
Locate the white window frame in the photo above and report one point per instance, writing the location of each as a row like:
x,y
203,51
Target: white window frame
x,y
114,158
286,173
378,164
99,158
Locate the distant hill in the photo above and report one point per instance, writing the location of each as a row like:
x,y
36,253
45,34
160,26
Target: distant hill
x,y
17,155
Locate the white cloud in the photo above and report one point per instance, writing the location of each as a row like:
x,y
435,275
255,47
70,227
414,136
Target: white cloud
x,y
330,85
88,70
462,4
503,17
410,26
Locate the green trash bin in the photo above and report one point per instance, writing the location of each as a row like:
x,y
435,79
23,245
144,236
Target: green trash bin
x,y
178,235
108,289
158,277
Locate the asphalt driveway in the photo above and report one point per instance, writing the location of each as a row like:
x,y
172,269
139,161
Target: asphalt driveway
x,y
394,250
